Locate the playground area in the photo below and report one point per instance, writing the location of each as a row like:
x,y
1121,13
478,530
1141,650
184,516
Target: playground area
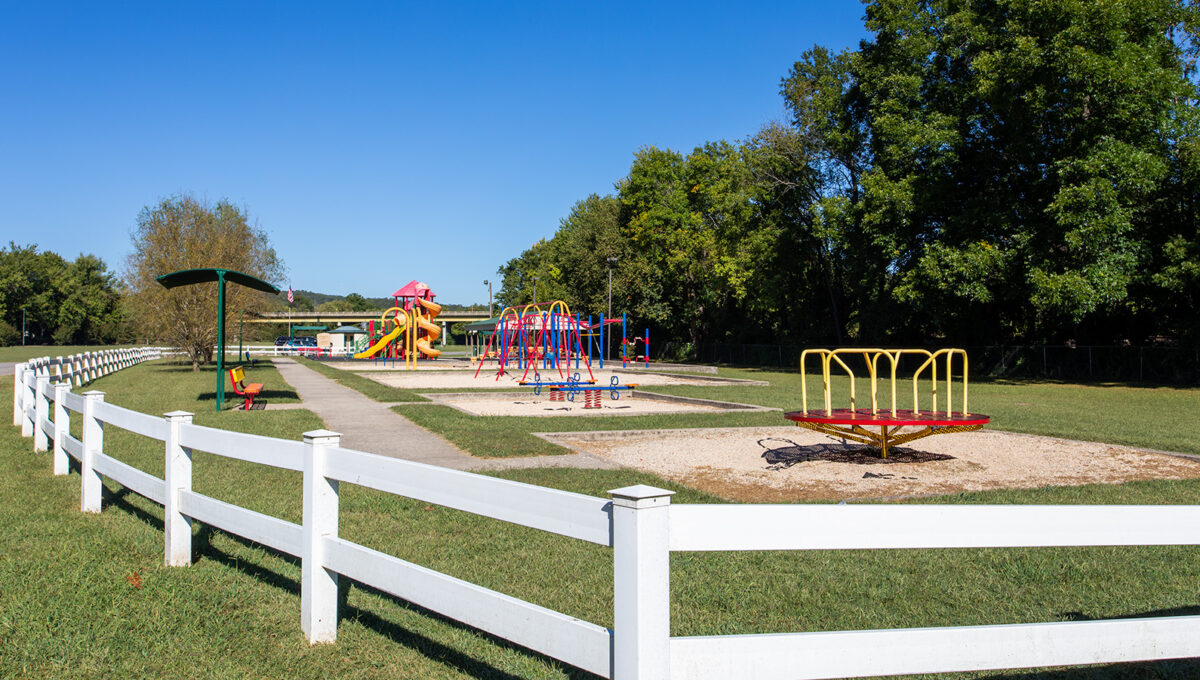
x,y
598,403
789,464
427,378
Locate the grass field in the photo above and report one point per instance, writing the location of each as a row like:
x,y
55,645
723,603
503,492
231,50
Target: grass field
x,y
372,389
87,596
26,352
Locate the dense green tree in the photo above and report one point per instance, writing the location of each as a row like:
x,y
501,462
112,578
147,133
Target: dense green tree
x,y
302,303
89,307
56,300
358,303
1002,162
976,172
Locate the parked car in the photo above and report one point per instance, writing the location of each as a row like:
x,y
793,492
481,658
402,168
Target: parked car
x,y
297,341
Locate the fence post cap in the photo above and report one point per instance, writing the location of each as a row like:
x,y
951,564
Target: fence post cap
x,y
179,415
322,437
641,496
93,394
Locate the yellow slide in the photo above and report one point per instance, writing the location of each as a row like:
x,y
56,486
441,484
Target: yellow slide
x,y
432,330
383,342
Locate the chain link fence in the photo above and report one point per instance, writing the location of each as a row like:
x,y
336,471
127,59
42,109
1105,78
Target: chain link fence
x,y
1149,364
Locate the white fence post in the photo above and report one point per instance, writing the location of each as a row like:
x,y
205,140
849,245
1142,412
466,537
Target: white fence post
x,y
29,380
93,443
641,583
18,384
41,401
318,585
62,428
177,527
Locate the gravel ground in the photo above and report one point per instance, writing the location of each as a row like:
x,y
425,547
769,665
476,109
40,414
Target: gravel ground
x,y
540,405
487,379
792,464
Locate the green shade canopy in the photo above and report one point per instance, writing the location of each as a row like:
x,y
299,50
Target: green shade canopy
x,y
487,325
186,277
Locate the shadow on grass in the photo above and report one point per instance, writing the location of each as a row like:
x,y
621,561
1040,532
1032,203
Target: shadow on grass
x,y
1183,669
202,548
118,498
1013,381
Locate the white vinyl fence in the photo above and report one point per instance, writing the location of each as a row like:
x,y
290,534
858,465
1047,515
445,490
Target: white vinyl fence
x,y
642,527
74,371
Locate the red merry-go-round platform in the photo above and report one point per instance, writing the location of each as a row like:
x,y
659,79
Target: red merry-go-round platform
x,y
852,423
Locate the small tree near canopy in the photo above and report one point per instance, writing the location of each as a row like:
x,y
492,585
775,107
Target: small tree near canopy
x,y
184,233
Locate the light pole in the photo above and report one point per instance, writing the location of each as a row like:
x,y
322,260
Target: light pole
x,y
608,336
22,326
535,290
489,285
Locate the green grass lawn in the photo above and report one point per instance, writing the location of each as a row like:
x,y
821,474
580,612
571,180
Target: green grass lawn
x,y
87,596
171,384
26,352
368,387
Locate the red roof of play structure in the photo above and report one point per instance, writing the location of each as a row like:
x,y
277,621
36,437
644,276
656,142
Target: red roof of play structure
x,y
415,289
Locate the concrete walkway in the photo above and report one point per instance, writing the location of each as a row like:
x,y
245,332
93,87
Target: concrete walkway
x,y
372,426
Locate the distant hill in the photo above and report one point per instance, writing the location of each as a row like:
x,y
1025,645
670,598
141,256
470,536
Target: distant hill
x,y
377,303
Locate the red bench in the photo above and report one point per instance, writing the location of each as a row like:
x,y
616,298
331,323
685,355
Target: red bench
x,y
238,377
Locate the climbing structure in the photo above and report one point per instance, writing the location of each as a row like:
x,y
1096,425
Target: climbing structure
x,y
411,331
530,337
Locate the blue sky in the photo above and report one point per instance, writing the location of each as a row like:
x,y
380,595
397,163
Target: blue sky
x,y
374,143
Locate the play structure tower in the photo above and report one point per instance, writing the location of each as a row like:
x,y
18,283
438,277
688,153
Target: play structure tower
x,y
412,330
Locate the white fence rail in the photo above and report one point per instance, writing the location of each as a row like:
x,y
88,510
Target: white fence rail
x,y
641,526
74,371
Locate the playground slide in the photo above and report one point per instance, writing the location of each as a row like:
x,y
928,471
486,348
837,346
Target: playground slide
x,y
432,330
383,342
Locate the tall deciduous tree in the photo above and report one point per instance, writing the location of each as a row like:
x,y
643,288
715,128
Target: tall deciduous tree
x,y
1012,168
184,233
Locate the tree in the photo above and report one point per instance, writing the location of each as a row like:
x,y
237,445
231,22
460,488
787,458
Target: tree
x,y
303,303
56,300
183,233
89,307
358,303
1008,168
28,281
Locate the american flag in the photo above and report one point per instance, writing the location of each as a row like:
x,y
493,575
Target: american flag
x,y
291,298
